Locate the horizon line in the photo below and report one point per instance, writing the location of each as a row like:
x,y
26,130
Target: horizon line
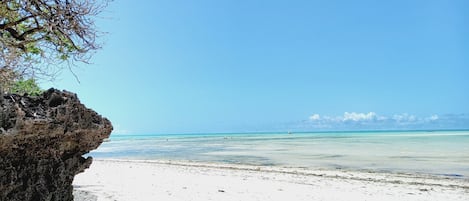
x,y
292,132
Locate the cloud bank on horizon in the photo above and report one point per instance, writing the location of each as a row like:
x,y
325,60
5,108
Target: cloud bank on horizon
x,y
372,120
372,116
350,121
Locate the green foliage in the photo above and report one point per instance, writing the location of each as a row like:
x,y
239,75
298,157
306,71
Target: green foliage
x,y
28,86
39,37
31,48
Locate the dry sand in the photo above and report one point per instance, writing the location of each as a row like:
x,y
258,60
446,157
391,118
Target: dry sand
x,y
120,180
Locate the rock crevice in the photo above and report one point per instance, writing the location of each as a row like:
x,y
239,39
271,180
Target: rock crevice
x,y
42,143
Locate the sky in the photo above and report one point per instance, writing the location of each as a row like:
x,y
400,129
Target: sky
x,y
173,66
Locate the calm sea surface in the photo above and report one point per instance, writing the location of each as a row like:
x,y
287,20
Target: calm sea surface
x,y
433,152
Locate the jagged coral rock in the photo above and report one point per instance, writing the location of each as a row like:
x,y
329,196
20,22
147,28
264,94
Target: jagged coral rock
x,y
42,142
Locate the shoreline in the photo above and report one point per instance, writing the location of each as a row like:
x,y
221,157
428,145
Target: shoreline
x,y
345,173
116,179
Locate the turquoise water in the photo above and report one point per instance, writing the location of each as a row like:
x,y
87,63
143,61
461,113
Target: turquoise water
x,y
435,152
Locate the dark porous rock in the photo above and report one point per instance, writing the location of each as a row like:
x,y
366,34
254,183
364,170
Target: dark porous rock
x,y
42,143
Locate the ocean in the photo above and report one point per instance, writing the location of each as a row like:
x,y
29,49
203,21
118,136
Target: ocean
x,y
444,153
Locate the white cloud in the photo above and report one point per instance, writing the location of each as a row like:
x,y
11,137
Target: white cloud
x,y
372,120
328,118
404,117
353,116
382,118
314,117
433,118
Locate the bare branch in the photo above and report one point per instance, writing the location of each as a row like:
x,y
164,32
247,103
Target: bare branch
x,y
10,24
37,36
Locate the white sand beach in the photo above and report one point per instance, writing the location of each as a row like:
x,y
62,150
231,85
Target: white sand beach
x,y
121,180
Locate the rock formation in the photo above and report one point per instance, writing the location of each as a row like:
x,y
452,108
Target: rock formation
x,y
42,142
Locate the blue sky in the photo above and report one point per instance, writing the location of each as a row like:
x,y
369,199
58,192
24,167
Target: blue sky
x,y
229,66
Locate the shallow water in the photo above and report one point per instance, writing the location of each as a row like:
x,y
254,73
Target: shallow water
x,y
436,152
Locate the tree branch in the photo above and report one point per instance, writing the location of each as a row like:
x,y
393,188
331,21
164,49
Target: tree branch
x,y
10,24
30,31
